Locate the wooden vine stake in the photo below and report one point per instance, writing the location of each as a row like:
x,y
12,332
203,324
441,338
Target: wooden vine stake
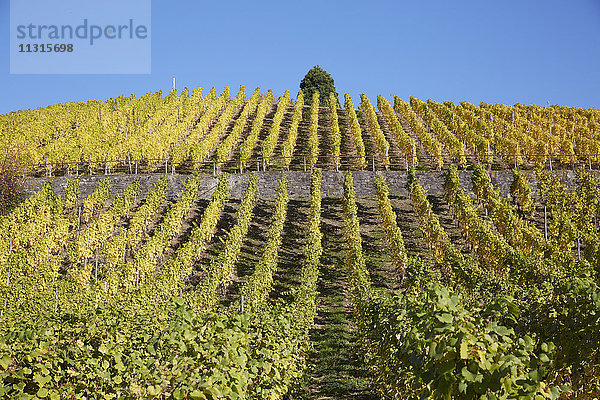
x,y
545,223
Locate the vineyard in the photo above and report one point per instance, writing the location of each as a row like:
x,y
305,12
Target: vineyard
x,y
205,246
210,132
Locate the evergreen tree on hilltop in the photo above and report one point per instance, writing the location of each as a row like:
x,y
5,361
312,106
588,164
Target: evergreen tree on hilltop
x,y
317,79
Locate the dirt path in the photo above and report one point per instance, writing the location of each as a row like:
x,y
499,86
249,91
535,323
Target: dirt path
x,y
335,367
291,252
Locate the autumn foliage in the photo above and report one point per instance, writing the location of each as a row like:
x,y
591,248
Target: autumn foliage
x,y
11,179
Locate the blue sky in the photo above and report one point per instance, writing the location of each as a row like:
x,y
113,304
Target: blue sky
x,y
527,51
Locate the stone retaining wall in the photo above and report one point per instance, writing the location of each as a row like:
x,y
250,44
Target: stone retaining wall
x,y
299,185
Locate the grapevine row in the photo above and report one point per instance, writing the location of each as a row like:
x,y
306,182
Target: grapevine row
x,y
355,131
225,148
313,138
147,258
290,142
248,145
259,284
219,272
406,143
336,137
202,149
380,141
432,146
268,145
94,237
515,231
180,266
392,232
452,144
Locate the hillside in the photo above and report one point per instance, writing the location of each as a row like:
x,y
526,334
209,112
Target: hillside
x,y
185,132
364,265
